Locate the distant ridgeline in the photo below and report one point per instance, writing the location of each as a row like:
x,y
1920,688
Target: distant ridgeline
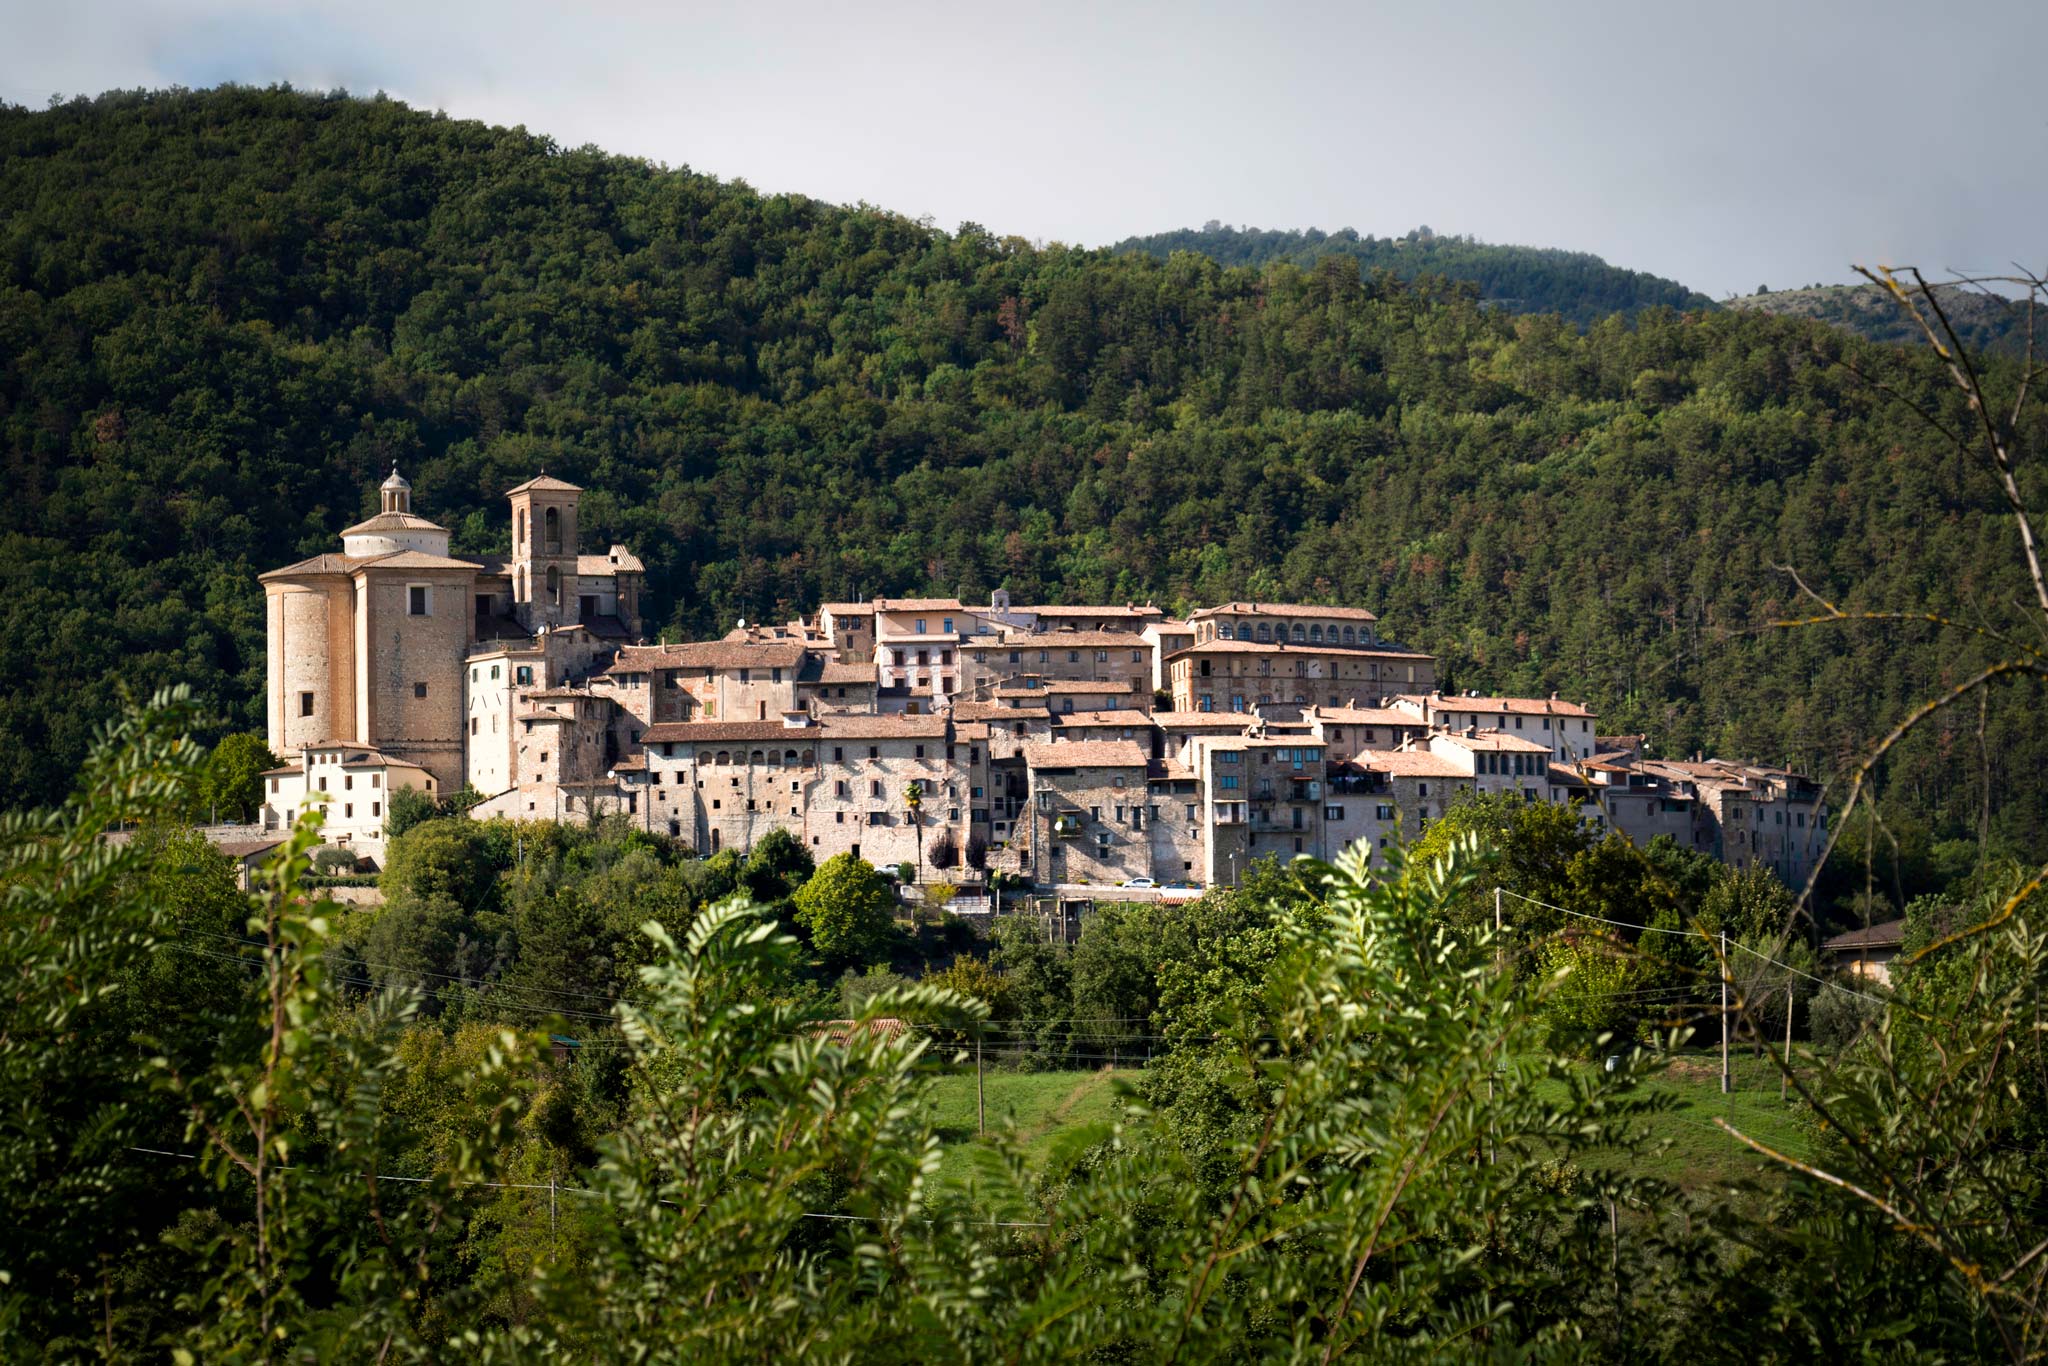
x,y
1575,284
225,315
1986,322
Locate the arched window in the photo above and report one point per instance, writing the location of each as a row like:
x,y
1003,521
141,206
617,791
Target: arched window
x,y
1244,633
1263,633
723,757
704,758
789,756
809,757
554,585
553,534
1298,633
1315,633
1349,638
755,757
519,527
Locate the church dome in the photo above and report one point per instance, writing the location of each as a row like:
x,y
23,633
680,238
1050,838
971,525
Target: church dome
x,y
396,482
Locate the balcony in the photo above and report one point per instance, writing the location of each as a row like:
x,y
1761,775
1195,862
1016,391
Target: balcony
x,y
1305,790
1066,827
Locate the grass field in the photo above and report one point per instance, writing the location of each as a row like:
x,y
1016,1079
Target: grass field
x,y
1040,1104
1686,1147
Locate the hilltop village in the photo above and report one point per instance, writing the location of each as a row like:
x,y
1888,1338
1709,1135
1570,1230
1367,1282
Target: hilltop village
x,y
1069,745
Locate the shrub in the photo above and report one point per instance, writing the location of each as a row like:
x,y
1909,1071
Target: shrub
x,y
1837,1018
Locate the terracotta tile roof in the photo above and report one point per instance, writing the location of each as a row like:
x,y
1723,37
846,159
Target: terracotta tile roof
x,y
847,609
1365,716
632,763
1087,610
998,711
842,727
1410,764
1168,770
1126,718
720,732
1889,934
971,730
618,560
918,605
1202,720
1383,650
415,559
1085,754
1077,686
837,673
1493,740
709,654
1059,640
318,564
1284,609
545,483
1526,706
392,521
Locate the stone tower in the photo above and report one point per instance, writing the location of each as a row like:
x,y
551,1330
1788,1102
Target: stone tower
x,y
544,591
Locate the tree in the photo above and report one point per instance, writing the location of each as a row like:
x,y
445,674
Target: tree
x,y
778,866
406,807
977,852
848,909
232,784
945,850
913,799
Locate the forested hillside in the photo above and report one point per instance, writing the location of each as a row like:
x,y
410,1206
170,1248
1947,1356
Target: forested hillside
x,y
224,315
1986,321
1575,284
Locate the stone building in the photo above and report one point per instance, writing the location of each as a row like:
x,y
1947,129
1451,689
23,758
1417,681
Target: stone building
x,y
1220,674
369,646
351,783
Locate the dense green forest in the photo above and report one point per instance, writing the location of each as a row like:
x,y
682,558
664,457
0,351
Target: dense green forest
x,y
224,315
1574,284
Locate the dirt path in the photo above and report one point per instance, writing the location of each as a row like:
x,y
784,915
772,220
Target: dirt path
x,y
1058,1114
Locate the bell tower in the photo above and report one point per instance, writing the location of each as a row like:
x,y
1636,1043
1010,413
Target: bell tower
x,y
544,590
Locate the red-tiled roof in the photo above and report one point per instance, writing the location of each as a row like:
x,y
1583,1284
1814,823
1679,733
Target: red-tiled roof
x,y
720,732
1084,754
545,483
709,654
1284,609
1526,706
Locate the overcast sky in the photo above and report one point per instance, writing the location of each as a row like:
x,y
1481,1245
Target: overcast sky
x,y
1722,143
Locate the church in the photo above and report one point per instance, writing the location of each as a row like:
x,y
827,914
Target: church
x,y
371,683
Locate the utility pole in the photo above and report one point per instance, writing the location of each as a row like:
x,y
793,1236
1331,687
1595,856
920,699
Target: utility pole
x,y
1725,1088
1785,1076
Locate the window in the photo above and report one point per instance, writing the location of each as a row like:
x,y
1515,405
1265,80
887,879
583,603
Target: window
x,y
348,782
1073,656
1422,789
419,690
1137,656
1333,813
305,704
554,576
946,625
1227,781
553,534
920,626
348,810
523,675
376,808
1013,656
586,607
416,600
1102,656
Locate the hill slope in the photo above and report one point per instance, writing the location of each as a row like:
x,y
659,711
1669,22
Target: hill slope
x,y
224,315
1984,322
1576,285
